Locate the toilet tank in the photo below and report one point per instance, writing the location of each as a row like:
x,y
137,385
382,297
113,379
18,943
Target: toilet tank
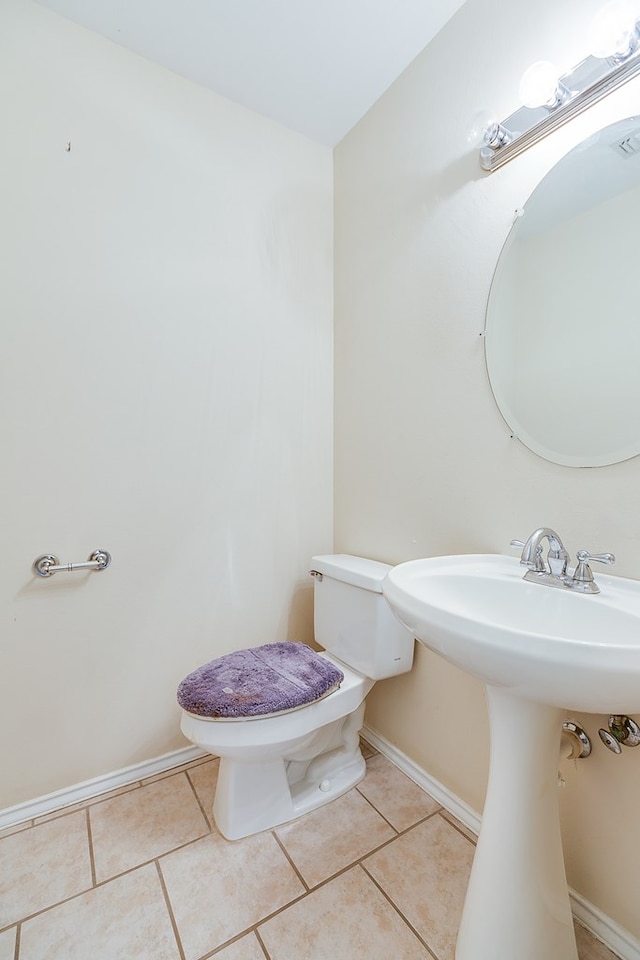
x,y
353,621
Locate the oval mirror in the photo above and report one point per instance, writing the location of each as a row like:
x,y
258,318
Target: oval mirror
x,y
562,335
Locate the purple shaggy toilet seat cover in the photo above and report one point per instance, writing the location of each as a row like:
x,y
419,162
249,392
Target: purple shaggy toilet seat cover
x,y
258,681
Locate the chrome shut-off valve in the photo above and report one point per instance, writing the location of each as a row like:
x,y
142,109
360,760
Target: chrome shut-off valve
x,y
623,732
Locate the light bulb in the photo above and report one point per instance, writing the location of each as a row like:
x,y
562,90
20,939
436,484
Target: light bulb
x,y
486,131
614,32
539,85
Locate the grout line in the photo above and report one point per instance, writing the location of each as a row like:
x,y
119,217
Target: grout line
x,y
380,814
348,866
239,936
291,862
381,846
52,906
204,813
399,912
342,870
455,823
253,929
165,894
16,954
92,860
262,944
334,876
223,946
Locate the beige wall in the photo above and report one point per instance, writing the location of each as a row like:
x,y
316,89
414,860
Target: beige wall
x,y
166,378
424,463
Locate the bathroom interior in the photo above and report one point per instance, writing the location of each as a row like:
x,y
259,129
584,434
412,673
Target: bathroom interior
x,y
229,347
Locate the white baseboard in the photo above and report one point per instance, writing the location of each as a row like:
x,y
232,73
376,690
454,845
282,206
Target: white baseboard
x,y
615,937
92,788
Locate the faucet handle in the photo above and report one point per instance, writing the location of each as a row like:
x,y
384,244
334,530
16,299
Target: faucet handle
x,y
537,562
582,556
582,573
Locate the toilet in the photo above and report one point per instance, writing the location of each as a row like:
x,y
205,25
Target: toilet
x,y
276,766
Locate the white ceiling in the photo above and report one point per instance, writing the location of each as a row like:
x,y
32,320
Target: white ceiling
x,y
315,66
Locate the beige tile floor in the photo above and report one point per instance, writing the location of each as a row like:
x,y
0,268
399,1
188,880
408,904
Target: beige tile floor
x,y
142,874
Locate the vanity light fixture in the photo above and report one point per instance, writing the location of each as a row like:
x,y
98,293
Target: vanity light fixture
x,y
551,100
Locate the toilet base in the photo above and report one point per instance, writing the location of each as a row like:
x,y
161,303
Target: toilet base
x,y
259,795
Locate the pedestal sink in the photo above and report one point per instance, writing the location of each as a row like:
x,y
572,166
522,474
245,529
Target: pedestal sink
x,y
540,652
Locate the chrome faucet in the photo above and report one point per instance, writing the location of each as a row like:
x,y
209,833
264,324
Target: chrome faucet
x,y
557,558
553,571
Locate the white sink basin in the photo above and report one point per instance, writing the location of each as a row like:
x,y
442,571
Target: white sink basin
x,y
557,647
539,650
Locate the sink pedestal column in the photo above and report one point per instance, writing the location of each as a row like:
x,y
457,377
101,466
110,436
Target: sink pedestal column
x,y
517,903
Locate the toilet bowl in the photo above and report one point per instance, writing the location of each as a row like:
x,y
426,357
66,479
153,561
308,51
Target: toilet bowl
x,y
276,767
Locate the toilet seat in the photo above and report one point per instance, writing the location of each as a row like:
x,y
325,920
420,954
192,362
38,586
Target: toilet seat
x,y
264,716
252,738
281,677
